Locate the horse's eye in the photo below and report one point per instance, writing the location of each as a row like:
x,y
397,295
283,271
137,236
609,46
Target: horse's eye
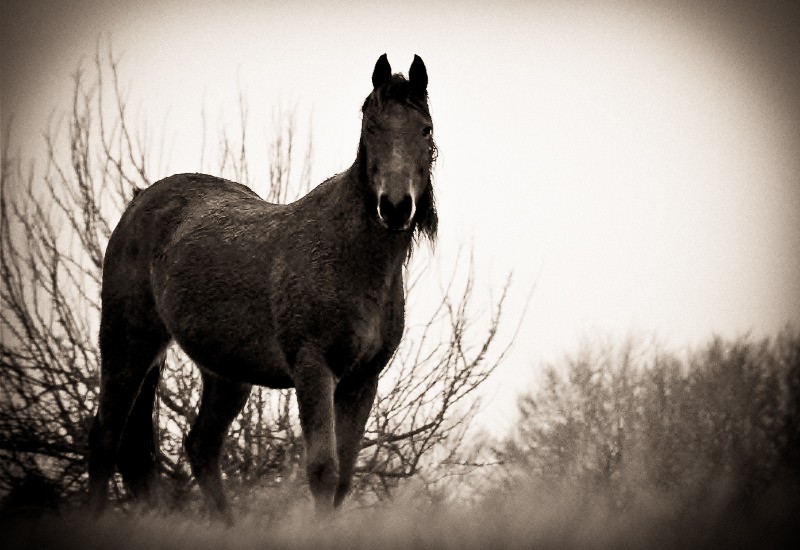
x,y
427,131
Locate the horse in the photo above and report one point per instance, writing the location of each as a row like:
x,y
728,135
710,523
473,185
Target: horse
x,y
307,295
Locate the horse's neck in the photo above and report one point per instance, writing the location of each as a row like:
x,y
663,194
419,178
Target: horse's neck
x,y
370,248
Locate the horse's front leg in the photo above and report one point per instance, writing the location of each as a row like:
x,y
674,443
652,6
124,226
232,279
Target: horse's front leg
x,y
314,384
352,401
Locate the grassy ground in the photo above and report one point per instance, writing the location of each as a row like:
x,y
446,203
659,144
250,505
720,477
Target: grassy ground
x,y
525,519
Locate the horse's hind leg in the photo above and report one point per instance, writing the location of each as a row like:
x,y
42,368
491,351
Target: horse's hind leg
x,y
127,355
136,458
222,400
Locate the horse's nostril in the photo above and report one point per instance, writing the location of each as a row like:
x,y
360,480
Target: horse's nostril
x,y
385,207
396,215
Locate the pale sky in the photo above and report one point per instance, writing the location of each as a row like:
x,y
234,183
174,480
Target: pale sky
x,y
638,161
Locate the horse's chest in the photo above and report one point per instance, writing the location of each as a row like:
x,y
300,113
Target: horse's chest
x,y
360,337
367,330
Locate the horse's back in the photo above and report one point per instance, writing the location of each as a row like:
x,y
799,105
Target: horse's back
x,y
155,212
166,201
151,221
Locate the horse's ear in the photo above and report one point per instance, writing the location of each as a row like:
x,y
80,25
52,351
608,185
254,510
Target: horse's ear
x,y
418,76
382,73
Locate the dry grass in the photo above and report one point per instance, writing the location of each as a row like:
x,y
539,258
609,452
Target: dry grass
x,y
525,519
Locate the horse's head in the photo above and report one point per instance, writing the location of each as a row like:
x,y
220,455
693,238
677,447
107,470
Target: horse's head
x,y
397,149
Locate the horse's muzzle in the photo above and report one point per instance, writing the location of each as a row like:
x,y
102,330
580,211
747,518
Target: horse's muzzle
x,y
396,216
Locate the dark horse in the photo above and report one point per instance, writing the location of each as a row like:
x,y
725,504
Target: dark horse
x,y
307,295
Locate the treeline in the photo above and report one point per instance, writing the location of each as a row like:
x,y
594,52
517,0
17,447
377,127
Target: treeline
x,y
716,428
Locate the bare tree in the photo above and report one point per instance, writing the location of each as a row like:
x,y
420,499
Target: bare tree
x,y
54,231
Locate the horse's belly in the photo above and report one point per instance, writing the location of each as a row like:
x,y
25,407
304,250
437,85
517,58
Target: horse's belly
x,y
268,377
250,360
